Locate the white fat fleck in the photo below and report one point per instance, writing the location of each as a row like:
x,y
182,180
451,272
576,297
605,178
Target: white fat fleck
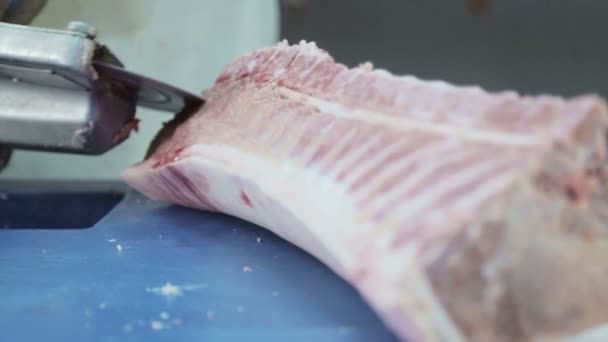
x,y
164,315
327,128
119,248
3,196
167,290
251,66
103,305
367,66
170,290
425,115
156,325
111,240
383,72
279,72
465,119
440,84
247,269
258,240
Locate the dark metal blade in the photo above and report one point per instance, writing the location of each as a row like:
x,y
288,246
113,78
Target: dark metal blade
x,y
149,92
5,156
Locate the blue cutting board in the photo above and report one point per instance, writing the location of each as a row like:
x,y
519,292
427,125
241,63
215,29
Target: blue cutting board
x,y
153,272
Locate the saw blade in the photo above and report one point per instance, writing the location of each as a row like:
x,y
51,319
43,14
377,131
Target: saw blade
x,y
149,92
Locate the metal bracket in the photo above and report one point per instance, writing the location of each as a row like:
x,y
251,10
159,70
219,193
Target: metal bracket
x,y
51,97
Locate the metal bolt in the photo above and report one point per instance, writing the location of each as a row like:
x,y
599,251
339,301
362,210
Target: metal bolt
x,y
82,27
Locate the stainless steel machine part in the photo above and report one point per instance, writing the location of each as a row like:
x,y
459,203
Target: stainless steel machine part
x,y
18,12
63,91
50,95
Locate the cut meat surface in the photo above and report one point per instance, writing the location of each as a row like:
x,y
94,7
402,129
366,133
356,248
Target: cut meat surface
x,y
458,214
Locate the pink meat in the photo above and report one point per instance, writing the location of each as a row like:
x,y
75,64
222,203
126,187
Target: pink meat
x,y
457,213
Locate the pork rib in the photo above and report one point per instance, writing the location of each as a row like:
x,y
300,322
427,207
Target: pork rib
x,y
457,213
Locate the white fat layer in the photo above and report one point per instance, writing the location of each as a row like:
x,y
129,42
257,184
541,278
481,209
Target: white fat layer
x,y
288,200
279,72
407,293
281,199
251,66
405,123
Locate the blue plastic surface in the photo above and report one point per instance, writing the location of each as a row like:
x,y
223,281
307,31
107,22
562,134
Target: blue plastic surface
x,y
237,282
56,209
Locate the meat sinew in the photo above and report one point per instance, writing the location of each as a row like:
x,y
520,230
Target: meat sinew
x,y
458,214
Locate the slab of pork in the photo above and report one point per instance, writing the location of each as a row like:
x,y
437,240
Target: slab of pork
x,y
457,213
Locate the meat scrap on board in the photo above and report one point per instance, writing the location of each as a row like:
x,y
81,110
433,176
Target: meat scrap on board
x,y
459,214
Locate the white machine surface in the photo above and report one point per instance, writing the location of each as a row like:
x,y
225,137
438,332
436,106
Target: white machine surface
x,y
182,42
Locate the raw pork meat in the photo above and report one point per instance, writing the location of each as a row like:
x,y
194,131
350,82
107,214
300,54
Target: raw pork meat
x,y
457,213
